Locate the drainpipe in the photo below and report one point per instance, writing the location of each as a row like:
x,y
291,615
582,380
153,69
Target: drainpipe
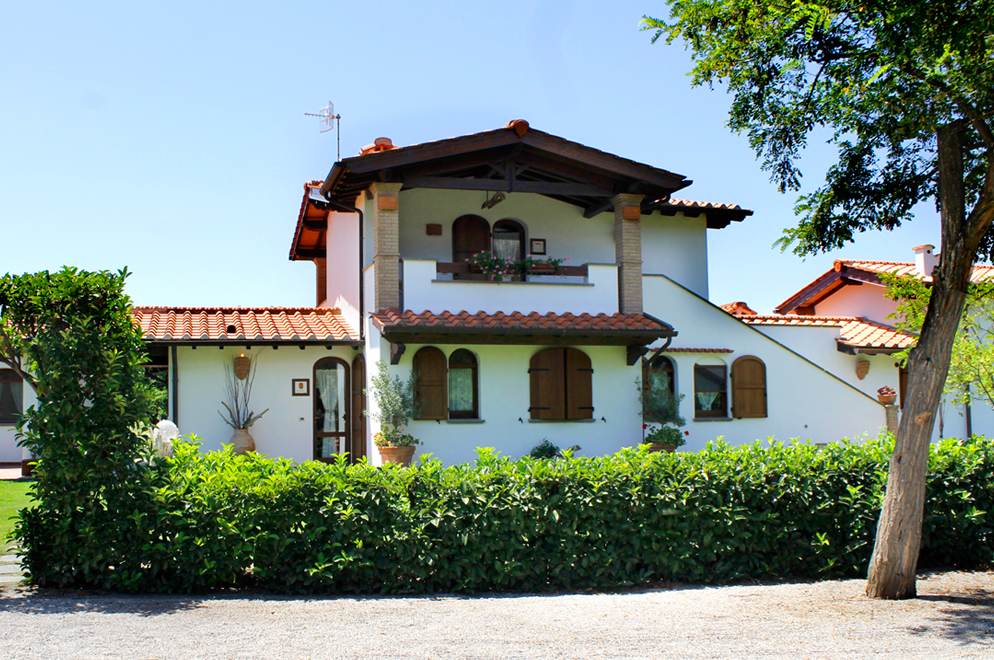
x,y
175,388
344,208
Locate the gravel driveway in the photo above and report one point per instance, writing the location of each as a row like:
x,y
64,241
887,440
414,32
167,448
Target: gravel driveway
x,y
952,618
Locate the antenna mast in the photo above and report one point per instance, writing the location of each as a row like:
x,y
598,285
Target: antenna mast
x,y
328,117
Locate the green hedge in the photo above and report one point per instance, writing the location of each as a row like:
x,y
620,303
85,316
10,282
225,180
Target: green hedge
x,y
204,521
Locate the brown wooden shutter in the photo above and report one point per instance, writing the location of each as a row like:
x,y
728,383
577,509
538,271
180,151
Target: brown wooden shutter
x,y
470,234
579,387
548,394
431,383
748,387
357,441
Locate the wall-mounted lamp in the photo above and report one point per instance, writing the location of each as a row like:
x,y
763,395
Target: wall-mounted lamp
x,y
242,366
493,201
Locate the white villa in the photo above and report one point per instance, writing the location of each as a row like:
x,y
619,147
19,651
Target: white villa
x,y
508,363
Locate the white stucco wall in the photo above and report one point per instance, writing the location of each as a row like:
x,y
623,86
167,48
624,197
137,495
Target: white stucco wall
x,y
865,300
342,265
9,451
803,400
424,291
676,247
286,430
504,400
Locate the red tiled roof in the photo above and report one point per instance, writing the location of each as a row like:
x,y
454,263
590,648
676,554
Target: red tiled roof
x,y
854,331
695,204
533,322
271,324
738,309
863,271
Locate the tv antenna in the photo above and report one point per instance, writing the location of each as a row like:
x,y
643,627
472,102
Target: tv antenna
x,y
328,117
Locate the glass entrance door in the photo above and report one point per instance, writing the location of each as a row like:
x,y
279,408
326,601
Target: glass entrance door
x,y
331,408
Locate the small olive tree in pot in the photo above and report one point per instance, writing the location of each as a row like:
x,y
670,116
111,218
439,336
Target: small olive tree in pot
x,y
397,406
661,407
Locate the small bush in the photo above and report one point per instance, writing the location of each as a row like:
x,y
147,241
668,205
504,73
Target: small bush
x,y
720,515
544,449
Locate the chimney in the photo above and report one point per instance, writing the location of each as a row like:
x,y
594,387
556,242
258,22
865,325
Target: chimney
x,y
925,260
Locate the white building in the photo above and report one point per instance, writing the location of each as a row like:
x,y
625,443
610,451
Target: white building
x,y
505,364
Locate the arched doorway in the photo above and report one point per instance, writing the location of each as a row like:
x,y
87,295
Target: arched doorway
x,y
332,408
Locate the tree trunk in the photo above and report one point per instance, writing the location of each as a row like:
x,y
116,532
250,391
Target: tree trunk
x,y
895,555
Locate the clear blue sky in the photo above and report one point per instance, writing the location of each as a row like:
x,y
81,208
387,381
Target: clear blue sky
x,y
171,138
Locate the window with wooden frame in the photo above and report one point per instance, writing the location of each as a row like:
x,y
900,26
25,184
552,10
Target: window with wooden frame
x,y
464,389
748,387
561,385
470,234
431,383
710,391
11,396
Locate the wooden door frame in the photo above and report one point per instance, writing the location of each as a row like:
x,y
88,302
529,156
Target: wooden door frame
x,y
314,405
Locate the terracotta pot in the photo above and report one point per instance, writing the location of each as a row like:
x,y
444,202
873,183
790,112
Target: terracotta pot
x,y
887,399
243,442
398,455
655,446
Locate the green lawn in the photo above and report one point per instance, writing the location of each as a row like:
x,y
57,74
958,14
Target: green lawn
x,y
13,498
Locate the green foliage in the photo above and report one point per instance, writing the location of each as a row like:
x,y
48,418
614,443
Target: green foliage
x,y
666,435
394,398
544,449
394,438
883,77
85,352
971,365
659,405
725,514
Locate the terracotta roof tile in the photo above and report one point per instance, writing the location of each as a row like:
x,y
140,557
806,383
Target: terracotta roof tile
x,y
698,350
979,273
853,330
280,324
393,318
738,309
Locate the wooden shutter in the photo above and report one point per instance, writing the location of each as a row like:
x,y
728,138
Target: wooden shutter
x,y
579,385
431,383
548,392
748,387
470,234
357,441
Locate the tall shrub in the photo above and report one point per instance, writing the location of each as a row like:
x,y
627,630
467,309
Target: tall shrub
x,y
79,342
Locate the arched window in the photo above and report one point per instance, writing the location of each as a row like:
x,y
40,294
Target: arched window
x,y
430,383
748,387
11,396
464,398
710,390
561,384
659,373
470,234
509,239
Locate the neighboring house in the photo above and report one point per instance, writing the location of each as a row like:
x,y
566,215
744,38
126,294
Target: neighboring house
x,y
842,320
504,364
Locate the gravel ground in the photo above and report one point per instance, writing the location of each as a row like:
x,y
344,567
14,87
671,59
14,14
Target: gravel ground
x,y
952,618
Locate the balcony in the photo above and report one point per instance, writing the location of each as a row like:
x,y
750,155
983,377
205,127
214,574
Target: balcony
x,y
439,286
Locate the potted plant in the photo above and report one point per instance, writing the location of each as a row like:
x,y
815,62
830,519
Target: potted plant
x,y
238,390
886,395
397,406
489,264
665,438
661,406
532,266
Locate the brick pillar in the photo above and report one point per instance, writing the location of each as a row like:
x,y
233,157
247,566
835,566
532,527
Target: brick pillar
x,y
386,244
322,279
891,412
628,251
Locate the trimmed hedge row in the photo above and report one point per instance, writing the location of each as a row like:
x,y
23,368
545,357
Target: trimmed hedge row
x,y
204,521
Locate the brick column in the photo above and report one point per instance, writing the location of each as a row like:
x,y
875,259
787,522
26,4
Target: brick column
x,y
320,264
386,244
628,251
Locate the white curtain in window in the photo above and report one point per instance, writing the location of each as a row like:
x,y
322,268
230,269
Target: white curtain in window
x,y
507,245
327,385
706,400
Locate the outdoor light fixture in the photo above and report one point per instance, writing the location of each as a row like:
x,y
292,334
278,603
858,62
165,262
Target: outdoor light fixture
x,y
493,201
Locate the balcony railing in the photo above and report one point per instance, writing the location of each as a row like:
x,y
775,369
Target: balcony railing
x,y
463,268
